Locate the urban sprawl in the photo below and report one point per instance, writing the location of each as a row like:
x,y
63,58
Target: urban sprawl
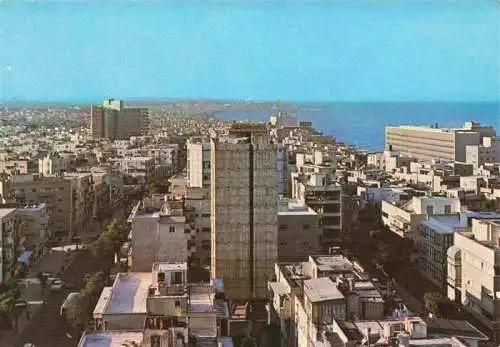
x,y
164,226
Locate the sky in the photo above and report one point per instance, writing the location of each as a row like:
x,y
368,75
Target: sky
x,y
312,51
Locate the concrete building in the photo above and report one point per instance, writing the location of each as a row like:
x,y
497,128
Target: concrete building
x,y
474,279
158,233
403,219
164,307
82,186
486,152
36,228
198,163
54,165
142,168
437,235
298,231
114,121
244,210
197,212
9,236
375,195
55,192
14,167
325,197
431,143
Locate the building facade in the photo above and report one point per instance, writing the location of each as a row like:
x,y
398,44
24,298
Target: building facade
x,y
244,211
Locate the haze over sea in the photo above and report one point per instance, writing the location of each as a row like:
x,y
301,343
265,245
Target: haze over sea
x,y
361,52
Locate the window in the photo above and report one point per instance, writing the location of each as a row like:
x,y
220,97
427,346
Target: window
x,y
206,177
430,209
307,226
171,229
447,209
283,226
161,277
205,230
177,303
385,214
155,341
205,215
177,277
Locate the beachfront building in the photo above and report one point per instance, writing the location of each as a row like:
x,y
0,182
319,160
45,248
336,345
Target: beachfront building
x,y
434,143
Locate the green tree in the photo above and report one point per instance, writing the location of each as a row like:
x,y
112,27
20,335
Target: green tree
x,y
10,305
77,313
110,240
437,304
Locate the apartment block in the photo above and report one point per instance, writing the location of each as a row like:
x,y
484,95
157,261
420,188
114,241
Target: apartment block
x,y
9,234
142,168
403,219
57,193
198,163
325,197
54,165
158,233
298,232
486,152
433,143
37,232
244,210
82,186
197,212
164,307
14,167
114,121
474,276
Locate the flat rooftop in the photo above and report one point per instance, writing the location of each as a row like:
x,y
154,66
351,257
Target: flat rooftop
x,y
444,224
129,293
458,328
321,289
100,307
165,267
4,212
201,298
332,263
109,339
294,207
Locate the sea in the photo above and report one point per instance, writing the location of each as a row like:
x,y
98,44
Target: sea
x,y
362,124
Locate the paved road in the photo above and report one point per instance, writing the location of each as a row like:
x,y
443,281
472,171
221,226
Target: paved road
x,y
46,329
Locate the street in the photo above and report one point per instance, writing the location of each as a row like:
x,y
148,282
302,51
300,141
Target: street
x,y
46,329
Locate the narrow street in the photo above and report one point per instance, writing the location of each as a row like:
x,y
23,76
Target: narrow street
x,y
46,328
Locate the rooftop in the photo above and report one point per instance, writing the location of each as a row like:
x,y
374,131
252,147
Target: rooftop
x,y
444,224
458,328
109,339
100,307
322,289
332,263
294,207
166,267
129,293
4,212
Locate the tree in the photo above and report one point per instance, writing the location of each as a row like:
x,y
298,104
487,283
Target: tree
x,y
78,311
10,305
437,304
110,240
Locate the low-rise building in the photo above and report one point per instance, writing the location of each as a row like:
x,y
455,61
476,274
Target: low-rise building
x,y
298,231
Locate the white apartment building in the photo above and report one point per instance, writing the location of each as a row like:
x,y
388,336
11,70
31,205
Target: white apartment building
x,y
244,210
54,164
487,152
474,272
158,234
140,167
198,163
36,228
375,195
403,219
298,231
14,167
430,143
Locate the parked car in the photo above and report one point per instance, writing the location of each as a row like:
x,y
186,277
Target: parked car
x,y
57,284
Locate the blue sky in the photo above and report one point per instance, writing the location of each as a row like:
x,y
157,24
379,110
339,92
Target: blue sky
x,y
298,51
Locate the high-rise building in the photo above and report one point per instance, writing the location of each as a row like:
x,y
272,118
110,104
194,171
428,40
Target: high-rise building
x,y
244,210
433,143
112,120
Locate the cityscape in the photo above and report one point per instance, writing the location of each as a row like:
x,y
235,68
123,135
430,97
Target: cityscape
x,y
239,173
166,226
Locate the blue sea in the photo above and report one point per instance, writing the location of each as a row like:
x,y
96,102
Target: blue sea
x,y
362,124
